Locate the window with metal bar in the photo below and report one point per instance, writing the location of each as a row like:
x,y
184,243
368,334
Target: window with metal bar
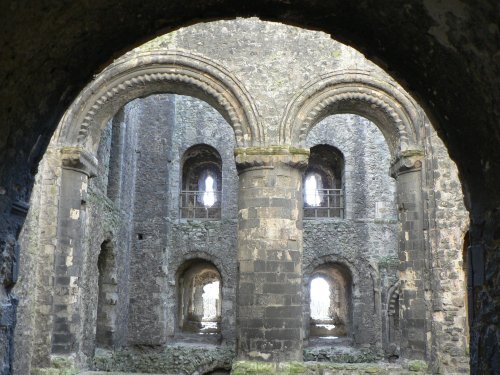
x,y
323,183
200,197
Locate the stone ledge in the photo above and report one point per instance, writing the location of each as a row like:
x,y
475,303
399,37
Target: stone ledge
x,y
318,368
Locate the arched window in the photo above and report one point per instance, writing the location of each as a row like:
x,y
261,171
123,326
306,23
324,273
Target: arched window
x,y
330,301
393,326
323,185
201,183
199,298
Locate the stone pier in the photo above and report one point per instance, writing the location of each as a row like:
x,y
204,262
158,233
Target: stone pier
x,y
270,253
414,305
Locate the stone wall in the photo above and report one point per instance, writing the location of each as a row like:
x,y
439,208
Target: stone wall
x,y
133,203
365,240
448,224
421,44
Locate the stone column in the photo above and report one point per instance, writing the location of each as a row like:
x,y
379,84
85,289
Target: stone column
x,y
412,256
270,302
77,167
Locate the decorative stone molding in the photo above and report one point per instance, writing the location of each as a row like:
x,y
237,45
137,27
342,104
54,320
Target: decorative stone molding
x,y
78,159
271,156
393,297
153,72
407,161
357,92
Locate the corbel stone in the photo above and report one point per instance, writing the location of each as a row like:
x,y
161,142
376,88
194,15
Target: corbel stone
x,y
80,160
406,161
270,157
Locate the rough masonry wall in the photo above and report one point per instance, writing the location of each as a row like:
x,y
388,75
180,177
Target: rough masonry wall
x,y
448,223
169,125
147,320
198,123
161,241
365,241
422,43
283,59
110,216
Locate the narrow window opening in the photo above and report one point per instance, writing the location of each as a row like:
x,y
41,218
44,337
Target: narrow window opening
x,y
323,183
107,296
320,299
199,298
200,197
330,302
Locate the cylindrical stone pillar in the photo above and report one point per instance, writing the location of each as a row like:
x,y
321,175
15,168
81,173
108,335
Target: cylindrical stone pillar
x,y
270,243
413,259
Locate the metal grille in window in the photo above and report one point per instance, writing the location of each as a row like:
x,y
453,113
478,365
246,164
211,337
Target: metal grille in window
x,y
193,205
331,204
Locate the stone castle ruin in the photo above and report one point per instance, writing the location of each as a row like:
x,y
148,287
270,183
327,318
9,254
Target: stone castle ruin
x,y
244,193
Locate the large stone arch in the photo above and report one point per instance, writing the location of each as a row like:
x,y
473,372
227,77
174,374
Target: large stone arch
x,y
447,53
357,92
153,72
399,119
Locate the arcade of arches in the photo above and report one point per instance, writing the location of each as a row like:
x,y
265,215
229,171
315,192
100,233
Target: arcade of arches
x,y
191,201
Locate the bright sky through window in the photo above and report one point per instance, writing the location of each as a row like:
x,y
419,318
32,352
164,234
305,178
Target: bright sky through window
x,y
209,195
320,299
312,196
210,297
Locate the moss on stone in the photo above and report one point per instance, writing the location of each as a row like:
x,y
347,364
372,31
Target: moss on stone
x,y
262,368
53,371
271,150
315,368
417,366
389,262
414,152
170,360
59,366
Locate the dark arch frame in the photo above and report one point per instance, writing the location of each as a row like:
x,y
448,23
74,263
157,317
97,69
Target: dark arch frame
x,y
373,30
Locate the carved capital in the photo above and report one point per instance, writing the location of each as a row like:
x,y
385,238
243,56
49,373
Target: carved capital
x,y
78,159
407,161
270,157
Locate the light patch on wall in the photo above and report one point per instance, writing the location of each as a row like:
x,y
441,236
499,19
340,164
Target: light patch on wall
x,y
74,214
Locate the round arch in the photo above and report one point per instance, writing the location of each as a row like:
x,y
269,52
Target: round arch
x,y
354,270
356,92
180,262
153,72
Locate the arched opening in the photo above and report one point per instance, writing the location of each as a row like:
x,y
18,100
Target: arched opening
x,y
330,292
107,296
393,327
100,101
323,183
199,298
201,193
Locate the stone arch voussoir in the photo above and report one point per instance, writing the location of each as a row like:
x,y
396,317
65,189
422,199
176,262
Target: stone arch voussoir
x,y
317,262
357,92
178,264
392,297
160,71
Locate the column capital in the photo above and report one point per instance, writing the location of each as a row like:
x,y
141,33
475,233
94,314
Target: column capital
x,y
406,161
270,157
80,160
